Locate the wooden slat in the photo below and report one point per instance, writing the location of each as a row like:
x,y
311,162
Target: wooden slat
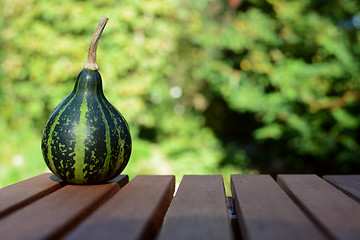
x,y
198,211
348,184
53,215
266,212
337,214
135,212
23,193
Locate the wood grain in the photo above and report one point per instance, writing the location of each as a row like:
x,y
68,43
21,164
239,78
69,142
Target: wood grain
x,y
198,211
55,214
337,214
20,194
348,184
135,212
266,212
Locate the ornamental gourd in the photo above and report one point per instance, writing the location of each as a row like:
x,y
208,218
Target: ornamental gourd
x,y
86,140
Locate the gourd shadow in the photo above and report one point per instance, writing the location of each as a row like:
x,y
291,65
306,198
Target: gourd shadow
x,y
58,180
55,179
121,180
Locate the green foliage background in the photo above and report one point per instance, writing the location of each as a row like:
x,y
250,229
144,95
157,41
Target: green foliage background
x,y
207,87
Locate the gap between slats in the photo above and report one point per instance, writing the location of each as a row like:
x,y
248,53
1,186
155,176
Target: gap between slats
x,y
348,184
199,210
58,212
21,194
135,212
329,208
266,212
232,214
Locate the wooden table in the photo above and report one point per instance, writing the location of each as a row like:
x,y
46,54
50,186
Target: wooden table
x,y
293,207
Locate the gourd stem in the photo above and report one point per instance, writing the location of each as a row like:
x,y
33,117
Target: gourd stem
x,y
91,61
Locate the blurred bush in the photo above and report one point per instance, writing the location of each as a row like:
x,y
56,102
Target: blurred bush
x,y
208,87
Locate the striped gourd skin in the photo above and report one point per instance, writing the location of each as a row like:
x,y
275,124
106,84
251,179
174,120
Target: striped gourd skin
x,y
86,140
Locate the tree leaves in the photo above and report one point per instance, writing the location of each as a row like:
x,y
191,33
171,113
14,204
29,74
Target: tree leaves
x,y
281,76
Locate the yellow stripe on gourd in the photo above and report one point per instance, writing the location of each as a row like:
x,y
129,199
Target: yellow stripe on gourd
x,y
107,137
121,152
80,131
50,141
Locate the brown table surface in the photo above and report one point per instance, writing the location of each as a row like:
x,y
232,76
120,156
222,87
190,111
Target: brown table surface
x,y
288,207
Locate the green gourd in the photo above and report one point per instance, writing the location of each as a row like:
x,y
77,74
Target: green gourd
x,y
85,139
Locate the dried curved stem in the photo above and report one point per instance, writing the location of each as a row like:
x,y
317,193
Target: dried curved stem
x,y
91,61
